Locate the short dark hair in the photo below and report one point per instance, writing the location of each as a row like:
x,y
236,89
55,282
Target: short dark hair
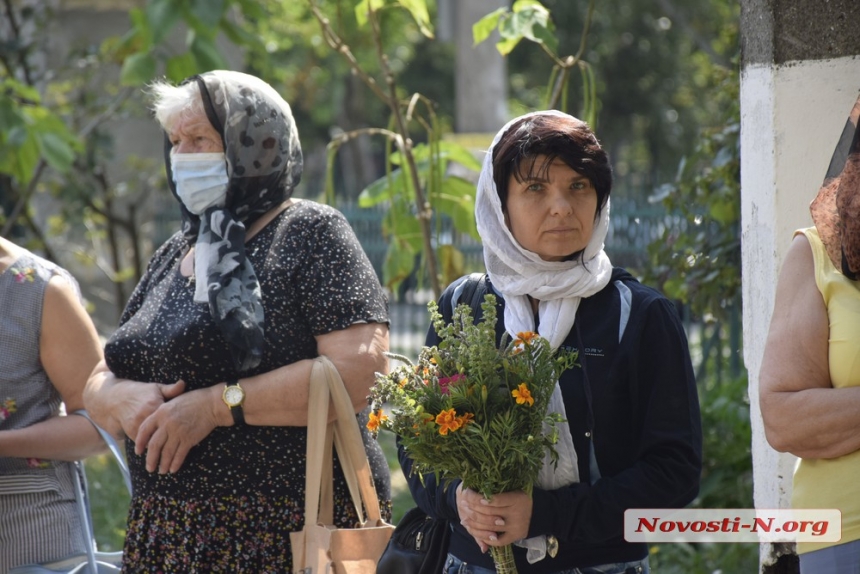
x,y
561,137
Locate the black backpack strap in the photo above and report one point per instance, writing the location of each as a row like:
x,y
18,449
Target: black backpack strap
x,y
474,289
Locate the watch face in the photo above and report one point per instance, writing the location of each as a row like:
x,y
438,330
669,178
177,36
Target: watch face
x,y
233,396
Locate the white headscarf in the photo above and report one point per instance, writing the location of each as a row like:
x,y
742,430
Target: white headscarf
x,y
516,273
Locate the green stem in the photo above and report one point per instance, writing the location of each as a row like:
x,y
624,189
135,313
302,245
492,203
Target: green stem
x,y
503,558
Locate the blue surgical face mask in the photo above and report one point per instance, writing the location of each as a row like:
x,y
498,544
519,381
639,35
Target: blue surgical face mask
x,y
200,179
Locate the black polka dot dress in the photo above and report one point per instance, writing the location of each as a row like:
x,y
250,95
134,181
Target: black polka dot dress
x,y
240,492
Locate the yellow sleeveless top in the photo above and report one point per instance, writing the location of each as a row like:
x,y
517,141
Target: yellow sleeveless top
x,y
834,483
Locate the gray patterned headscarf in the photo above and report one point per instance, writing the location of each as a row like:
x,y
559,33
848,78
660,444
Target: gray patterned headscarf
x,y
264,164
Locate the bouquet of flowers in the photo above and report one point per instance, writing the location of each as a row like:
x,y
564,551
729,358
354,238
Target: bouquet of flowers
x,y
474,410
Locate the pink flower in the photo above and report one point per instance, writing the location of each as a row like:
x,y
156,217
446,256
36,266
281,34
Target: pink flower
x,y
445,381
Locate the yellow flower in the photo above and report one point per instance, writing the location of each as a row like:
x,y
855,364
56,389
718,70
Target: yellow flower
x,y
448,421
375,419
523,394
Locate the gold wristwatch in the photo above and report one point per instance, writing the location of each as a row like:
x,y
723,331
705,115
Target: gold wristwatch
x,y
233,396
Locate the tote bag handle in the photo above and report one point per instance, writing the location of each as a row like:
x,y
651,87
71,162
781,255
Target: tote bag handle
x,y
327,386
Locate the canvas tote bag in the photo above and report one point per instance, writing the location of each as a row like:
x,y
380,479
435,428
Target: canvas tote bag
x,y
322,548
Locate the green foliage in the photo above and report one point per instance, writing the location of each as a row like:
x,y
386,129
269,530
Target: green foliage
x,y
448,194
31,132
726,481
530,20
416,8
416,181
698,261
527,19
109,501
143,50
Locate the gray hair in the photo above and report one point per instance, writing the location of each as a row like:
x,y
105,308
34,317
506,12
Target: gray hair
x,y
172,103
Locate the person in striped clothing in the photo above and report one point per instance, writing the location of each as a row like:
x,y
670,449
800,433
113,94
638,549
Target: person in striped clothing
x,y
48,347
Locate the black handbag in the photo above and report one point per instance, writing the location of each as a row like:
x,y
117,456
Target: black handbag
x,y
419,545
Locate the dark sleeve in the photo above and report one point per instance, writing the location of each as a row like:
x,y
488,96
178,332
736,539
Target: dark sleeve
x,y
667,459
337,286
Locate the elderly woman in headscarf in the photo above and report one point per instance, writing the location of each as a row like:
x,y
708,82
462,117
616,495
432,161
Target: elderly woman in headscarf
x,y
809,382
208,372
633,432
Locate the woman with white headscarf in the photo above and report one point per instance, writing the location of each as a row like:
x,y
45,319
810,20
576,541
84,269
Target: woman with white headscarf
x,y
208,372
633,432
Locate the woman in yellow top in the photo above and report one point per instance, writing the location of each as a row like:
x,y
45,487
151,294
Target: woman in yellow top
x,y
810,374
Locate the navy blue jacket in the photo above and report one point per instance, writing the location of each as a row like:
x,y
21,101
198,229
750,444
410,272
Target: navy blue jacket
x,y
647,430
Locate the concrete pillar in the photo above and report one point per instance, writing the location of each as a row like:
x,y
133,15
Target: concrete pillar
x,y
800,76
481,72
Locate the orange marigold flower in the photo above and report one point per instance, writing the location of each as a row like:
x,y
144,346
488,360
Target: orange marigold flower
x,y
374,419
523,395
525,338
447,421
465,419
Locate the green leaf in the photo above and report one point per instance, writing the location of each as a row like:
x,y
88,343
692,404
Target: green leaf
x,y
532,23
399,263
724,212
180,67
239,35
18,135
676,288
9,116
56,151
20,161
19,91
452,263
206,54
405,242
457,201
505,47
363,7
162,15
455,152
521,5
137,69
403,228
418,9
448,151
140,27
208,13
482,29
383,189
253,10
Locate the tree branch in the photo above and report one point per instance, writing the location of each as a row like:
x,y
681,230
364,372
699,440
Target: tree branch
x,y
425,211
336,44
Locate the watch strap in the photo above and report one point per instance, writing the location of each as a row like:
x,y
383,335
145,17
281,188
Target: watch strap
x,y
237,411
